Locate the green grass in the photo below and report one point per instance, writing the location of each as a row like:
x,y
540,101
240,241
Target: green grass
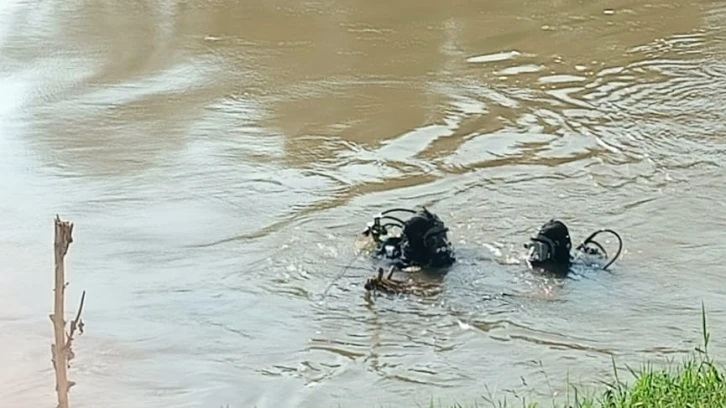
x,y
694,383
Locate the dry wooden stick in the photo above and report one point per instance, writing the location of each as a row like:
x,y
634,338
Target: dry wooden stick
x,y
61,350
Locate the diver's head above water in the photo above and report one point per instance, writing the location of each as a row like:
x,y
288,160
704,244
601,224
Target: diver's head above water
x,y
423,239
549,247
426,242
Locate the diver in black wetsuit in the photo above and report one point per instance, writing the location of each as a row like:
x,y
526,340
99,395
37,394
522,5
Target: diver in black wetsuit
x,y
550,248
423,241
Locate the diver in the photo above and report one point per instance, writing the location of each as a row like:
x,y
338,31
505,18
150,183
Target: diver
x,y
550,248
420,241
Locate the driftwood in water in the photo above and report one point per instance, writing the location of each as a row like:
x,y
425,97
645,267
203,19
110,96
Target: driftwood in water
x,y
409,286
61,350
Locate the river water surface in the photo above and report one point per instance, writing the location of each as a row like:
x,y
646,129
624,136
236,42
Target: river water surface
x,y
219,159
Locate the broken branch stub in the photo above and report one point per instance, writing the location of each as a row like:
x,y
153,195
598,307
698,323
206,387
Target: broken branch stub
x,y
61,351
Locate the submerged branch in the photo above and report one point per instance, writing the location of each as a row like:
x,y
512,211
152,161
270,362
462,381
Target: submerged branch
x,y
405,287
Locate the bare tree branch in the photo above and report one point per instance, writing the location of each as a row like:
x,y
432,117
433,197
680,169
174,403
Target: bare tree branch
x,y
61,351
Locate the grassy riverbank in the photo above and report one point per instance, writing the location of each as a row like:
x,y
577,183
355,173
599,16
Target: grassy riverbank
x,y
695,383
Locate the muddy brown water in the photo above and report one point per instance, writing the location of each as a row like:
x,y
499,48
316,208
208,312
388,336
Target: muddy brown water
x,y
219,158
